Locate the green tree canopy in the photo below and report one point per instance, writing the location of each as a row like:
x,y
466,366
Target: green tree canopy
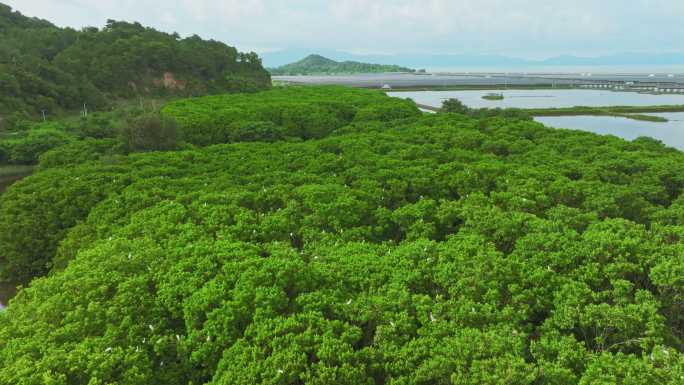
x,y
394,249
46,68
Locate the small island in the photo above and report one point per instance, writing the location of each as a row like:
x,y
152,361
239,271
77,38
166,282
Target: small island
x,y
319,65
493,96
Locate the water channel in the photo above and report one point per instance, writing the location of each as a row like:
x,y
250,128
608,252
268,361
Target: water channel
x,y
671,133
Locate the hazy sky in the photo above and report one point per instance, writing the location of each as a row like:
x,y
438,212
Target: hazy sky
x,y
523,28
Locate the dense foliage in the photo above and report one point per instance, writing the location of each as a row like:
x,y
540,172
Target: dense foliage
x,y
125,129
281,113
25,147
397,249
46,68
318,65
454,105
291,113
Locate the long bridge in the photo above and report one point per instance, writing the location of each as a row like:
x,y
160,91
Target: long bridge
x,y
635,84
650,87
632,83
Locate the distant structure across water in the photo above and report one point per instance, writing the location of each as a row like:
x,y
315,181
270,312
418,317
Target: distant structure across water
x,y
669,83
648,87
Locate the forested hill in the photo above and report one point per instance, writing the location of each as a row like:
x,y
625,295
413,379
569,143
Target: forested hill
x,y
316,64
44,67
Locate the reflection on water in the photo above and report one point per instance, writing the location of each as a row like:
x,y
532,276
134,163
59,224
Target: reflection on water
x,y
6,182
11,174
542,98
670,133
7,291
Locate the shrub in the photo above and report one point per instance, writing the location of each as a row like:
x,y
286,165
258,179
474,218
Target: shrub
x,y
455,106
150,132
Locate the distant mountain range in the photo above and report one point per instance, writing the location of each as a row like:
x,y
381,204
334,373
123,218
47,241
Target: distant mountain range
x,y
275,59
317,64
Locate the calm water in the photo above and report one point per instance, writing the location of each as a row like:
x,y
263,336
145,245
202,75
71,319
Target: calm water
x,y
542,98
7,291
670,133
443,77
430,80
11,174
5,182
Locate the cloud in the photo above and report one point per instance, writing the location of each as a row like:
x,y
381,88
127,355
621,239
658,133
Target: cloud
x,y
512,27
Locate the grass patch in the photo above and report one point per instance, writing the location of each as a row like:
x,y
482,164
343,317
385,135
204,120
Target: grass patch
x,y
629,112
619,112
580,110
645,118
